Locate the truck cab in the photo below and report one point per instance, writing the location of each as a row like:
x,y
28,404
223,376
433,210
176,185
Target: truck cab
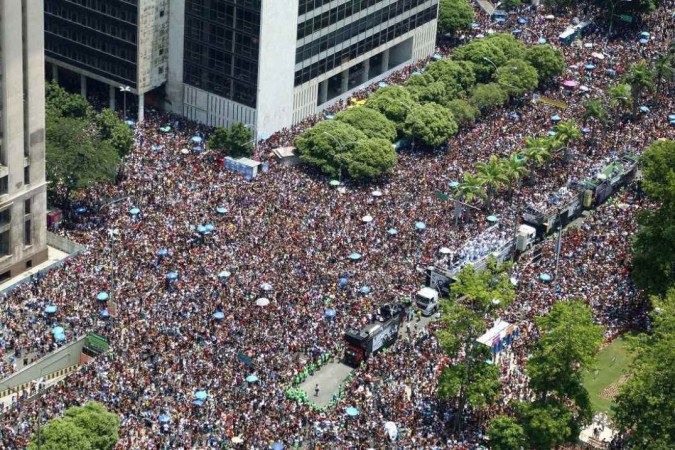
x,y
381,333
426,300
525,238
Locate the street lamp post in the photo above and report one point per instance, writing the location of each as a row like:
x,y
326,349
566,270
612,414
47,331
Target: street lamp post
x,y
124,90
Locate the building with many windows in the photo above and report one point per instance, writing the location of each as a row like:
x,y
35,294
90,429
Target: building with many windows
x,y
23,197
120,43
271,63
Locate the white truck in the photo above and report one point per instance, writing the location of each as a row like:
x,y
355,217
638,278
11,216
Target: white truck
x,y
426,300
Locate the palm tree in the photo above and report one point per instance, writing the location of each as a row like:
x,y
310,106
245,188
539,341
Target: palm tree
x,y
664,69
620,96
594,110
492,175
640,78
514,169
537,151
471,189
566,131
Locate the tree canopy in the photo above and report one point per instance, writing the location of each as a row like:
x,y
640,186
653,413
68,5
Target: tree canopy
x,y
457,76
487,96
549,61
327,144
454,16
430,123
235,141
484,55
463,111
505,434
517,76
371,158
370,121
394,102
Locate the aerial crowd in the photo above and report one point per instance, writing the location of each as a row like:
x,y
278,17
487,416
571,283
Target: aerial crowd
x,y
183,303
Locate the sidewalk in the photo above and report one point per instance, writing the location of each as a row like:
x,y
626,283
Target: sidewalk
x,y
53,256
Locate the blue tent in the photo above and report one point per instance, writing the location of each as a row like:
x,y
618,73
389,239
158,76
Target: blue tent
x,y
209,227
556,118
585,130
164,418
201,229
475,25
589,66
364,290
172,276
644,109
610,72
58,330
102,296
81,210
50,309
644,41
251,378
277,446
342,282
420,225
392,231
541,41
197,139
200,395
197,402
329,312
156,148
130,122
454,184
355,256
437,56
492,219
551,133
134,211
517,31
219,315
671,117
545,277
382,84
221,210
416,73
351,411
224,274
645,34
330,116
162,252
165,129
60,337
104,313
522,20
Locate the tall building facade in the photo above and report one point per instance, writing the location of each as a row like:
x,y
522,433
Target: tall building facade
x,y
271,63
23,196
121,43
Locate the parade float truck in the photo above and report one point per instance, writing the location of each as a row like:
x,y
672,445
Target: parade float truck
x,y
379,334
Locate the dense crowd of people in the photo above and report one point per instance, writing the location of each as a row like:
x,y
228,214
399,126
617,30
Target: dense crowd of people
x,y
183,301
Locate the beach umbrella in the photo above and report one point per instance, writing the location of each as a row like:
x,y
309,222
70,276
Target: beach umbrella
x,y
162,252
58,330
172,276
444,251
104,313
556,118
277,446
392,231
671,117
645,34
382,84
342,282
50,309
134,211
644,41
200,395
416,73
262,301
492,219
330,116
644,109
196,139
454,184
130,122
329,313
522,20
551,133
597,55
165,129
81,210
541,41
184,151
584,88
197,402
437,56
102,296
209,227
516,31
60,337
355,256
224,274
351,411
585,130
570,84
266,287
156,147
334,183
364,290
251,378
164,418
376,193
589,66
221,210
545,277
219,315
475,25
367,218
237,440
201,229
420,225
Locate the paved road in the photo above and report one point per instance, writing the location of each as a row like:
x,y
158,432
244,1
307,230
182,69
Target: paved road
x,y
331,375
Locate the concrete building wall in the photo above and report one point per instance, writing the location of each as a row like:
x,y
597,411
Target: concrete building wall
x,y
153,44
174,81
276,69
214,110
22,170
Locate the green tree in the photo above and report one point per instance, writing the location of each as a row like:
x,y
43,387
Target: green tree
x,y
646,401
394,102
511,5
488,96
664,68
549,61
595,111
537,151
548,424
463,111
566,131
327,145
471,188
371,158
507,43
454,16
116,132
457,76
425,89
59,102
517,76
640,78
370,121
235,141
100,426
569,340
654,243
506,434
430,123
492,174
61,434
620,96
483,54
513,168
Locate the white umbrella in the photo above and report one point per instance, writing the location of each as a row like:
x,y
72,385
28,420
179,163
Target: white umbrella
x,y
391,429
184,151
376,193
262,301
367,218
237,440
597,55
266,287
445,251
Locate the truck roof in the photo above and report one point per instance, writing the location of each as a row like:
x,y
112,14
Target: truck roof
x,y
427,292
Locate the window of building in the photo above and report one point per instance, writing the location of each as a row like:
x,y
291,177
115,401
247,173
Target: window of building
x,y
27,206
27,233
5,247
5,216
4,185
26,175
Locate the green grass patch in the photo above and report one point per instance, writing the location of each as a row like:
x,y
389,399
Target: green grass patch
x,y
613,362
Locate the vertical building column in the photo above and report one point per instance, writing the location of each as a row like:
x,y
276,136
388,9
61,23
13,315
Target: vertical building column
x,y
344,86
55,73
323,92
141,107
83,86
112,97
366,70
385,60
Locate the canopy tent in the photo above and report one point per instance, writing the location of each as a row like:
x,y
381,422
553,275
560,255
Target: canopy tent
x,y
501,334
